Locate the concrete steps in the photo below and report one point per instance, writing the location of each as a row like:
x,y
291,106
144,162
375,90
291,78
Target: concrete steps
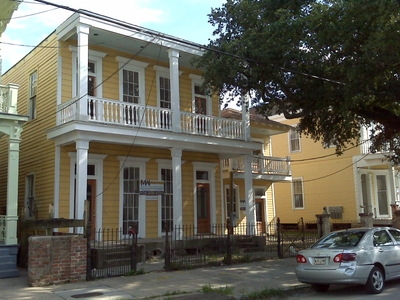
x,y
8,261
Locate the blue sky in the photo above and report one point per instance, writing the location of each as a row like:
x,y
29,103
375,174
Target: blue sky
x,y
32,22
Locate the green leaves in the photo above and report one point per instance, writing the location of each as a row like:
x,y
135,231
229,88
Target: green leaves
x,y
336,62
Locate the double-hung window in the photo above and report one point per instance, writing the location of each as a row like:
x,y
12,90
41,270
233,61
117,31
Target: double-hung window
x,y
297,193
294,140
32,95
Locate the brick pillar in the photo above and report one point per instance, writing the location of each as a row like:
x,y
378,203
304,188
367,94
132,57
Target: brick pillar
x,y
56,259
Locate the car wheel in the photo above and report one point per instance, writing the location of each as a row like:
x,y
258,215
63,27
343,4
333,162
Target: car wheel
x,y
320,288
376,281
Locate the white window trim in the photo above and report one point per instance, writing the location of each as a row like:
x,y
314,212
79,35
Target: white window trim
x,y
302,190
236,191
135,162
198,80
96,160
95,56
375,193
161,72
162,164
210,168
290,142
135,66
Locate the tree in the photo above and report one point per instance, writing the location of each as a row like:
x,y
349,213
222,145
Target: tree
x,y
334,64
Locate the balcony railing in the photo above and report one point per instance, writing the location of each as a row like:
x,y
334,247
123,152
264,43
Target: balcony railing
x,y
129,114
366,147
8,98
261,165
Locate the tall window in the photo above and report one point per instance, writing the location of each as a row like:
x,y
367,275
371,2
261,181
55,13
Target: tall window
x,y
165,92
294,140
231,206
32,95
130,86
297,190
30,197
91,78
167,208
382,194
131,199
200,100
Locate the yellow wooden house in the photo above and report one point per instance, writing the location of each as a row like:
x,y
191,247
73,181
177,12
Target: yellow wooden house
x,y
348,186
118,119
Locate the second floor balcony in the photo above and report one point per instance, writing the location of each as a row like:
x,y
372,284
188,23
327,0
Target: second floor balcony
x,y
113,112
262,167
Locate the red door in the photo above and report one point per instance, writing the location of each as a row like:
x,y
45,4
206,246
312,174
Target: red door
x,y
203,207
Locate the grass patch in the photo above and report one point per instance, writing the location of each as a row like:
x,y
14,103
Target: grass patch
x,y
137,272
265,294
226,290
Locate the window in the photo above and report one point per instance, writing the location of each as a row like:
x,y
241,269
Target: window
x,y
297,190
231,207
294,140
382,195
30,208
167,208
165,92
200,100
131,183
32,95
91,78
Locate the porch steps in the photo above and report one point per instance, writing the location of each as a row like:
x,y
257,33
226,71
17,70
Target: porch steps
x,y
8,261
249,245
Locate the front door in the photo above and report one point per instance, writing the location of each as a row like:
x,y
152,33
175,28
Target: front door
x,y
203,207
91,198
260,219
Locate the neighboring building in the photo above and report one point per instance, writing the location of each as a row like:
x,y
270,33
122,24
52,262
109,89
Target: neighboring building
x,y
118,117
11,123
357,182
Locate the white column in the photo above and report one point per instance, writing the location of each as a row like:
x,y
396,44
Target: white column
x,y
246,117
177,188
83,59
248,187
82,147
174,79
12,187
392,186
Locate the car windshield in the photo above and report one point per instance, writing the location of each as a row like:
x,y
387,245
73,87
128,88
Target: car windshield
x,y
340,239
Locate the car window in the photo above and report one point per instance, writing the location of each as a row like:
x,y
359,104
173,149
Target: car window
x,y
396,235
382,238
340,239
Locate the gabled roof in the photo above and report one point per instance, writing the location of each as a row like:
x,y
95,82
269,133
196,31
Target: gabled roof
x,y
257,120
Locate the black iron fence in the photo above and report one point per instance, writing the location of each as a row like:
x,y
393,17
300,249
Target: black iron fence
x,y
225,244
111,253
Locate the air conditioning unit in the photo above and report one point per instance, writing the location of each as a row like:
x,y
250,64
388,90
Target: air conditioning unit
x,y
336,212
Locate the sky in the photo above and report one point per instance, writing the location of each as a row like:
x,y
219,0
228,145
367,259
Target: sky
x,y
34,21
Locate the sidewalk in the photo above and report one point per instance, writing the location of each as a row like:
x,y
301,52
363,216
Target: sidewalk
x,y
158,284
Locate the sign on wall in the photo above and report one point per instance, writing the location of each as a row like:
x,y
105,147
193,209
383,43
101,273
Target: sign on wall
x,y
151,187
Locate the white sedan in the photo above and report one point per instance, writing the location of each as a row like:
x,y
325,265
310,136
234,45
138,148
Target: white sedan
x,y
368,256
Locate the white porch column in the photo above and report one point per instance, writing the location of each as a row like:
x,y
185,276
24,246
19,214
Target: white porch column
x,y
177,188
83,59
246,117
175,98
248,187
82,147
12,186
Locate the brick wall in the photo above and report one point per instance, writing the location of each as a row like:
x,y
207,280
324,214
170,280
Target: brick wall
x,y
56,259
